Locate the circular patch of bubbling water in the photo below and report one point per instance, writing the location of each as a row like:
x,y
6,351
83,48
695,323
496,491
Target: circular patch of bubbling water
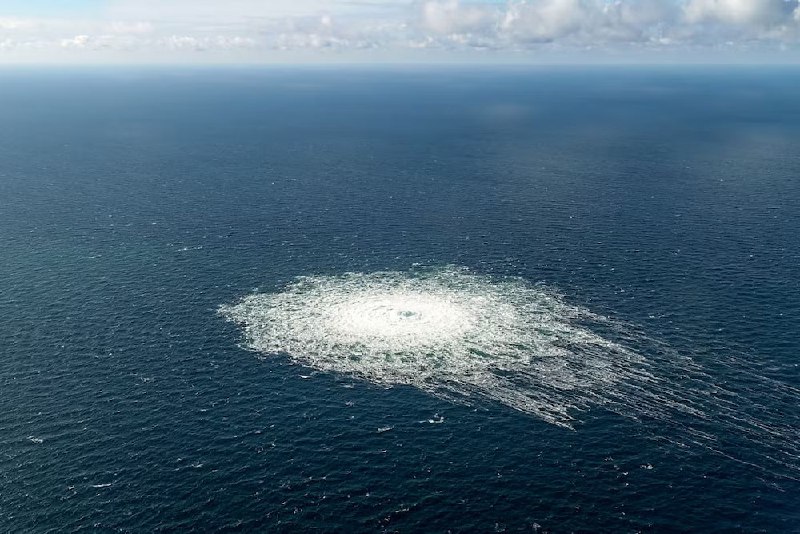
x,y
448,332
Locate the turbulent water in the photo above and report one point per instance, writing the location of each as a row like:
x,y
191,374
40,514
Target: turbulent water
x,y
447,332
414,300
460,336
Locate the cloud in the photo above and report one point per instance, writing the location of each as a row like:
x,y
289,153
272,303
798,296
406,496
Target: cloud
x,y
143,30
548,20
220,42
632,25
748,13
527,24
78,41
450,16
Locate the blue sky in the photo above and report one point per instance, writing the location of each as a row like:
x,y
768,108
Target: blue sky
x,y
37,8
319,31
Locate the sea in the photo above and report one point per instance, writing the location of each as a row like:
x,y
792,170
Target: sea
x,y
400,299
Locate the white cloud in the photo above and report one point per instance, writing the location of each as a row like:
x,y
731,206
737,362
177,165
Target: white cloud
x,y
632,24
526,24
143,30
200,44
547,20
750,13
451,16
78,41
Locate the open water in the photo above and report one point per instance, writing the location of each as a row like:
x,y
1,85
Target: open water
x,y
409,299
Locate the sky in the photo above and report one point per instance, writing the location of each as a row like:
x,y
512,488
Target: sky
x,y
398,31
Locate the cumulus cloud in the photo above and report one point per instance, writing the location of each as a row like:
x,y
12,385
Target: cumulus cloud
x,y
750,13
548,20
259,29
632,24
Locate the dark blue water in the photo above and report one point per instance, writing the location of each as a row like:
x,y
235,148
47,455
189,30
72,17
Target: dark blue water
x,y
134,203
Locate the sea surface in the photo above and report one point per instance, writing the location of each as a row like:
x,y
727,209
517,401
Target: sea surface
x,y
652,213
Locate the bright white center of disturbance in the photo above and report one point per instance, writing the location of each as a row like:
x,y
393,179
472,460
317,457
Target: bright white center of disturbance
x,y
406,319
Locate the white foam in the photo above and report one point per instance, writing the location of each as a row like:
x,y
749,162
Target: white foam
x,y
467,337
447,332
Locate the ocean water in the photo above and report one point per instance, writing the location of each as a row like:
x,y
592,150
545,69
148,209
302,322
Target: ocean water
x,y
409,299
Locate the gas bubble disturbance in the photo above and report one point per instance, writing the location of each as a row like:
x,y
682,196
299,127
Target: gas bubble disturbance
x,y
467,337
